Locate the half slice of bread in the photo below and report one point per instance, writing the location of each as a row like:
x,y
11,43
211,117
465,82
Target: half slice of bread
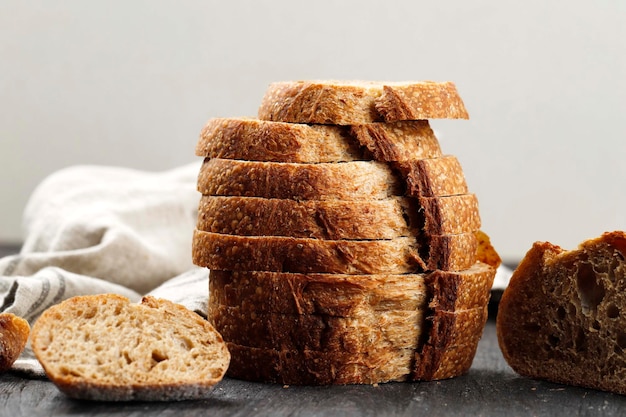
x,y
261,140
359,102
103,347
563,315
287,254
14,333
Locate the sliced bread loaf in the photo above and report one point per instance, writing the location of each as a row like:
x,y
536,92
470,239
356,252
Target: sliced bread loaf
x,y
260,140
103,347
562,316
359,102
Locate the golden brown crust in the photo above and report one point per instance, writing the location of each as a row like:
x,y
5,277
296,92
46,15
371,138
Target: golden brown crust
x,y
337,295
433,177
398,141
287,254
357,102
331,219
260,140
561,318
338,219
358,180
299,332
450,345
319,368
14,333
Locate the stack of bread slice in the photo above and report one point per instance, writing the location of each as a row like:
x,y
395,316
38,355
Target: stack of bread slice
x,y
342,243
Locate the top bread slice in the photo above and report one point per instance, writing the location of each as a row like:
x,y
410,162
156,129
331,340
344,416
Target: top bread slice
x,y
563,315
360,102
103,347
259,140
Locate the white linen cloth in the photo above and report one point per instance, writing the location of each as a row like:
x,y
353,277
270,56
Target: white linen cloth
x,y
94,230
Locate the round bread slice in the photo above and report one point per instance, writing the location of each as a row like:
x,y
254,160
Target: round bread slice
x,y
563,315
14,333
359,102
102,347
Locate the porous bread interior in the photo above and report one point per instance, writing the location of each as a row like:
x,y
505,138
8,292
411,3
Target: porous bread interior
x,y
116,343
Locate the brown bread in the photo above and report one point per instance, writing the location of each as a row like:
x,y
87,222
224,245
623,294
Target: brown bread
x,y
359,102
14,333
562,318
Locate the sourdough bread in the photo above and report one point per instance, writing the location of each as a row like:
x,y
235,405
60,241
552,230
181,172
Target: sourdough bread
x,y
300,332
339,219
356,180
287,254
562,318
103,347
259,140
337,295
14,333
359,102
319,368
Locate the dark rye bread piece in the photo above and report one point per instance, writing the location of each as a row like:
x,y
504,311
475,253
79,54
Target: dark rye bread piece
x,y
338,219
343,295
287,254
260,140
356,180
319,368
381,329
338,295
359,102
563,315
448,353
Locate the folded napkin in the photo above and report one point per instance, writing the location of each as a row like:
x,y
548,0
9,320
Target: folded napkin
x,y
94,230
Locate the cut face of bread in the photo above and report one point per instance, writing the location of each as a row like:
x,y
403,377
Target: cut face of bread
x,y
339,219
359,102
563,315
14,333
103,347
260,140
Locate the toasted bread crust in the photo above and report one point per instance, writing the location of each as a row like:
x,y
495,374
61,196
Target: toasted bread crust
x,y
287,254
433,177
354,103
339,219
14,333
561,317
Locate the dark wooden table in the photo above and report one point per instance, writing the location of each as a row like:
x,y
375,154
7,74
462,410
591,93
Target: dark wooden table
x,y
491,388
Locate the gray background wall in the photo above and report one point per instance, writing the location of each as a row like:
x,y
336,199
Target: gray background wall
x,y
131,83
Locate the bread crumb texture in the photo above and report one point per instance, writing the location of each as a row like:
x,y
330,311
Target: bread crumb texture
x,y
563,316
105,348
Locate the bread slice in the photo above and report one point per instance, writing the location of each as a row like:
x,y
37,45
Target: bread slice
x,y
260,140
337,295
308,367
357,180
449,354
343,295
562,318
359,102
338,219
103,347
382,329
287,254
14,333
